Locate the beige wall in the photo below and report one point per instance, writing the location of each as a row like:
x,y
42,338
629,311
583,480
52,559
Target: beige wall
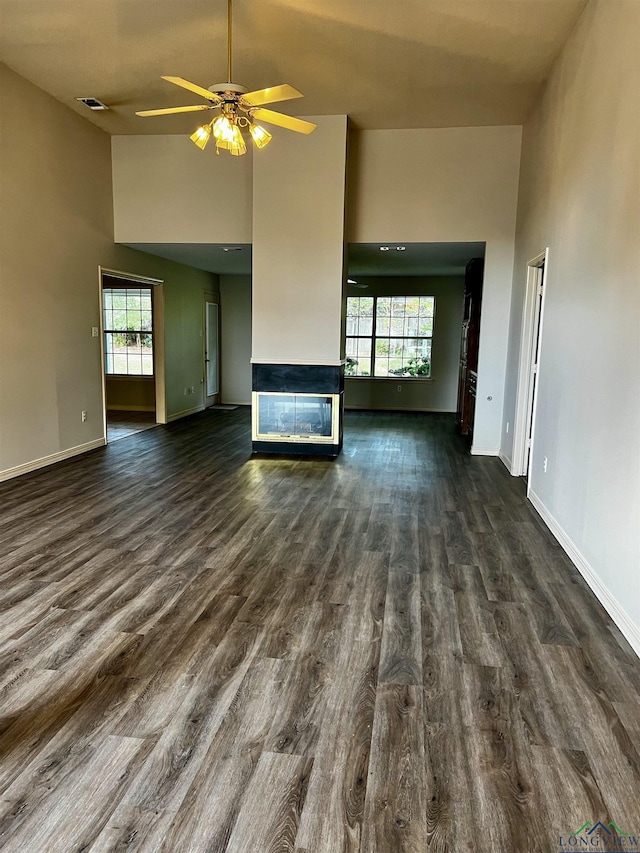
x,y
133,395
579,195
437,185
235,338
184,340
447,185
166,190
438,394
298,246
56,227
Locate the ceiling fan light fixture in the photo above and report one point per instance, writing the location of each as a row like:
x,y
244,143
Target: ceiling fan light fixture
x,y
238,107
221,127
201,136
233,141
260,136
237,150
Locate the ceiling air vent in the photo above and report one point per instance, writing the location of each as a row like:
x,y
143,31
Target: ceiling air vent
x,y
93,103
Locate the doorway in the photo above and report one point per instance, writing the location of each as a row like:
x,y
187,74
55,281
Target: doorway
x,y
211,349
132,351
529,366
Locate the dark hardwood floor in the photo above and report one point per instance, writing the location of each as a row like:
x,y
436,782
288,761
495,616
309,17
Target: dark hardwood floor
x,y
122,424
205,651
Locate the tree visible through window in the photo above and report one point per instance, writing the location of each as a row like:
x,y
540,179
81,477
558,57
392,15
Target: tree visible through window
x,y
128,331
389,336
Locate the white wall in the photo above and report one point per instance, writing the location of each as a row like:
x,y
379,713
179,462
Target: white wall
x,y
235,338
447,185
56,227
580,187
166,190
298,246
439,393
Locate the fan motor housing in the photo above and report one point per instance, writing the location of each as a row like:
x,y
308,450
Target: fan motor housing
x,y
221,88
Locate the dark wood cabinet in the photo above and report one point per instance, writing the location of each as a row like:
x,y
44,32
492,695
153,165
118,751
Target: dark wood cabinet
x,y
470,339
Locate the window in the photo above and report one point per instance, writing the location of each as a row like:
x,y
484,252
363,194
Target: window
x,y
128,331
389,336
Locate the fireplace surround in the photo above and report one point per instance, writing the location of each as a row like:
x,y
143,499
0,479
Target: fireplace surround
x,y
297,408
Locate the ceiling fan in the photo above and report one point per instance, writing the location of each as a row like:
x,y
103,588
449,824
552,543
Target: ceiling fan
x,y
238,109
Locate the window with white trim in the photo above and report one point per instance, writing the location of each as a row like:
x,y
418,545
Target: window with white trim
x,y
128,331
389,336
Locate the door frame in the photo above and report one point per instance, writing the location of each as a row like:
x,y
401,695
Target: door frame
x,y
157,285
526,391
209,297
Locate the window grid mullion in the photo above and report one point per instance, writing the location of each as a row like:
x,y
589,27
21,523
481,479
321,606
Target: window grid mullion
x,y
374,338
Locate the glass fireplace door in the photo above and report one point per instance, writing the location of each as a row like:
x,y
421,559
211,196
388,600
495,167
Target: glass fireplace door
x,y
295,417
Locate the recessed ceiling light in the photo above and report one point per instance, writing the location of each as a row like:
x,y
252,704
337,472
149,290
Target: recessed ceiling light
x,y
400,248
93,103
232,248
384,248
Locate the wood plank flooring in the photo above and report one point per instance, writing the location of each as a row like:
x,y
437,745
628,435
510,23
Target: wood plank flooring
x,y
120,424
203,651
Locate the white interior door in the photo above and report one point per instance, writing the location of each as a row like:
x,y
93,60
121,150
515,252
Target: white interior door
x,y
533,369
211,350
529,365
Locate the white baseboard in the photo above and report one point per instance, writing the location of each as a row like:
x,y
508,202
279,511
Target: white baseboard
x,y
505,461
236,402
485,451
618,614
10,473
184,413
398,409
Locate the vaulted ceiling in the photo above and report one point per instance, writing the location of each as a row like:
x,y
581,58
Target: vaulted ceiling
x,y
385,63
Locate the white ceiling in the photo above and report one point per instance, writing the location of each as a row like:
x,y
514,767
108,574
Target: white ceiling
x,y
365,259
385,63
203,256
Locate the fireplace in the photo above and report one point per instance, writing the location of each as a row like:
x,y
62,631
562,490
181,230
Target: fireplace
x,y
297,409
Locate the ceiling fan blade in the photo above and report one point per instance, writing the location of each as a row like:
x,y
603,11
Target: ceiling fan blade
x,y
288,122
170,110
193,87
270,96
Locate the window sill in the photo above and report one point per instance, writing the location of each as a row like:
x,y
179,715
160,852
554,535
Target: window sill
x,y
130,377
390,378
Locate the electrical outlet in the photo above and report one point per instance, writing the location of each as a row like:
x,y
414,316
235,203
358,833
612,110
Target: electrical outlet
x,y
84,417
399,388
544,464
94,331
193,389
186,391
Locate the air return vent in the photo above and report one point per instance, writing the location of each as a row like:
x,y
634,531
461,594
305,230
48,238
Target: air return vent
x,y
93,103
